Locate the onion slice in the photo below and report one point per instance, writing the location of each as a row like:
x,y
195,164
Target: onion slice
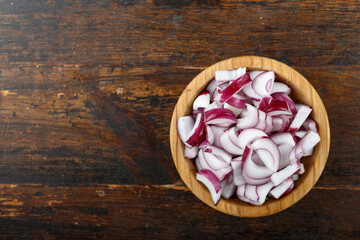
x,y
211,182
202,101
229,75
249,117
184,127
233,88
303,112
281,189
198,132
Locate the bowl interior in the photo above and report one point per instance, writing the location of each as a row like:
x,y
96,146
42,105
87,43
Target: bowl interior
x,y
302,92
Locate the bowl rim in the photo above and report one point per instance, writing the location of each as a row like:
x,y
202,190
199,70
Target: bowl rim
x,y
318,160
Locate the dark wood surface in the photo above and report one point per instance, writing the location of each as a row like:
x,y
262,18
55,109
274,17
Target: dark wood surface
x,y
87,93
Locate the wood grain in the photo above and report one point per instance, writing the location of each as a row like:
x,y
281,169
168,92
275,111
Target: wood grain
x,y
87,93
160,212
302,92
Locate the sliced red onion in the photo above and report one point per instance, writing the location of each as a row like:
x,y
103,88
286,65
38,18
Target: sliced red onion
x,y
306,144
301,169
236,111
211,182
184,127
262,121
269,145
204,144
213,105
202,101
286,122
218,131
281,189
214,162
283,138
285,150
263,83
233,88
191,152
219,153
228,187
277,124
249,117
300,134
303,112
277,107
285,173
309,153
240,191
310,124
219,116
237,172
280,87
262,191
285,98
254,74
210,136
198,132
256,159
228,75
196,112
254,171
269,124
295,177
237,101
292,156
264,103
212,88
197,164
228,146
221,173
288,190
250,193
249,91
249,135
246,156
233,135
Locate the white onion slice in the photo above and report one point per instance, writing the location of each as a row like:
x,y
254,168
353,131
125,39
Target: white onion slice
x,y
184,127
249,135
280,87
228,75
303,112
267,144
263,83
202,101
285,173
249,117
281,189
211,182
228,187
191,152
228,146
283,138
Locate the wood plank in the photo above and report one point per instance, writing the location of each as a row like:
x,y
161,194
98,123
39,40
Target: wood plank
x,y
178,33
157,212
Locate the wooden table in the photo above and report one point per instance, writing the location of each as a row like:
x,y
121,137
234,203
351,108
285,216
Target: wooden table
x,y
87,93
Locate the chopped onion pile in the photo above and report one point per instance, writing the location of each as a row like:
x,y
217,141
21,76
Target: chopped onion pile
x,y
247,136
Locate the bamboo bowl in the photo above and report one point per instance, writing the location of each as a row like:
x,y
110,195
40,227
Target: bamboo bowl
x,y
302,91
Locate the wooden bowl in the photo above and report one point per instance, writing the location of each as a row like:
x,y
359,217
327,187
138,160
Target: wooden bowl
x,y
302,91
